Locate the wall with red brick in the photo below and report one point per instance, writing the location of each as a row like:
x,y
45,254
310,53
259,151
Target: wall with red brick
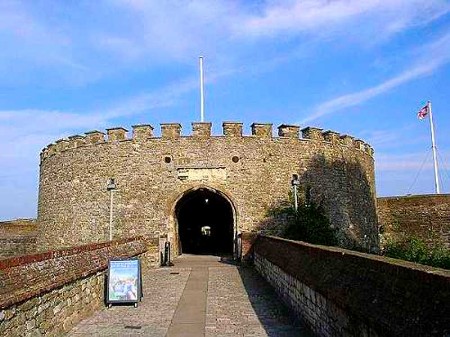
x,y
340,292
423,216
48,293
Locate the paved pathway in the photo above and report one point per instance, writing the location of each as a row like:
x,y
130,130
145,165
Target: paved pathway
x,y
199,296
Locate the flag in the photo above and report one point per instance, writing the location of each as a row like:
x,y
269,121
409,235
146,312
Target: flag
x,y
423,112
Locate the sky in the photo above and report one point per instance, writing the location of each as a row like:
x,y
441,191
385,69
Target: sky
x,y
363,68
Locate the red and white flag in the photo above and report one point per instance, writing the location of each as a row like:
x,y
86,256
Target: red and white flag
x,y
423,112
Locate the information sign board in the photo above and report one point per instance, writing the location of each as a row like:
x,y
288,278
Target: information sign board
x,y
124,281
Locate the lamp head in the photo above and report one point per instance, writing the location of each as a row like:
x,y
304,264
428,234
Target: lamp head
x,y
295,181
111,185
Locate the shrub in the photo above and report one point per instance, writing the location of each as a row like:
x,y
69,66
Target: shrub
x,y
308,224
416,250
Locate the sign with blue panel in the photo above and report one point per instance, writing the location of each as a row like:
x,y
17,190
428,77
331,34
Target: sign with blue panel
x,y
124,282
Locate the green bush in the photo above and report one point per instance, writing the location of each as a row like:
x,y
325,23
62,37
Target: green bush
x,y
416,250
308,224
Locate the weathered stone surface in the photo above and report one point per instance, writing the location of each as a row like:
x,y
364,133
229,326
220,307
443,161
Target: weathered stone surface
x,y
17,237
344,293
47,293
423,216
256,173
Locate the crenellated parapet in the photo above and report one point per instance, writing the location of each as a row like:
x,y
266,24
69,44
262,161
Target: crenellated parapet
x,y
202,131
250,167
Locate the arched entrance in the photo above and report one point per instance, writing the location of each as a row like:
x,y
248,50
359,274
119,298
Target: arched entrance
x,y
205,223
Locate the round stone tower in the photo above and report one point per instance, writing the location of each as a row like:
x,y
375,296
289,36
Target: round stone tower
x,y
201,190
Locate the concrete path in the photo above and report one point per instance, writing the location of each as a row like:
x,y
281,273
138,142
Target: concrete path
x,y
198,296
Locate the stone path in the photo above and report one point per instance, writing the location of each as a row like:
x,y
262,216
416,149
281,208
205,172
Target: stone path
x,y
199,296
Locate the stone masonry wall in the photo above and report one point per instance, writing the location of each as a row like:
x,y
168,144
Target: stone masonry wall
x,y
17,237
338,292
48,293
423,216
254,172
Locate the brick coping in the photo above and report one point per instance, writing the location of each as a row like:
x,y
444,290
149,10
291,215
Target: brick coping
x,y
51,254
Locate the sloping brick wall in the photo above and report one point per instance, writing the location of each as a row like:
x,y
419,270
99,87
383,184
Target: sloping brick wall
x,y
345,293
48,293
423,216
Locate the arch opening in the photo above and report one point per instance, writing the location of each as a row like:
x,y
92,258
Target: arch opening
x,y
205,223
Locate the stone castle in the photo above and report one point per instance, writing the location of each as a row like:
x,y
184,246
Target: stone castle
x,y
201,190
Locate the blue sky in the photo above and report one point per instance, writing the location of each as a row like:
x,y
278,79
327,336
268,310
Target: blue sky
x,y
359,67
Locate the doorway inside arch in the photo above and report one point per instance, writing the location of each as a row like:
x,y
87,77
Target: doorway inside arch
x,y
205,223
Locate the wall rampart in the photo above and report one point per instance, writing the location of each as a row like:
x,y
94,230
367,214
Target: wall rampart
x,y
17,237
48,293
151,172
422,216
339,292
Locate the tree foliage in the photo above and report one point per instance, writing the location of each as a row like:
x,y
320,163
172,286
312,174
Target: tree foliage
x,y
309,223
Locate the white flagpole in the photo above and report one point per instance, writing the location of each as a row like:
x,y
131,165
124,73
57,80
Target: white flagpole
x,y
202,96
433,147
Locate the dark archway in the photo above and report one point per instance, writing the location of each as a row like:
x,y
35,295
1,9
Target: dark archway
x,y
205,223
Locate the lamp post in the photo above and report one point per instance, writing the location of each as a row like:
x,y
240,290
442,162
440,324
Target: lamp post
x,y
111,187
295,182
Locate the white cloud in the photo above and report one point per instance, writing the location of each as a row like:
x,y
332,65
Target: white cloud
x,y
318,16
425,65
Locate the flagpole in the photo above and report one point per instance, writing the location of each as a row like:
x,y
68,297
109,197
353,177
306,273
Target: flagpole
x,y
433,147
202,96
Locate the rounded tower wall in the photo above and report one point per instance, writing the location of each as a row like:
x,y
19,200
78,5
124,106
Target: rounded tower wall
x,y
254,171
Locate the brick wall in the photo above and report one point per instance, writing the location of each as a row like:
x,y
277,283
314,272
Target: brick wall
x,y
48,293
338,292
17,237
423,216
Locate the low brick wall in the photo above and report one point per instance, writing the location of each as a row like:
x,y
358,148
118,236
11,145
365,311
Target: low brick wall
x,y
48,293
338,292
423,216
17,237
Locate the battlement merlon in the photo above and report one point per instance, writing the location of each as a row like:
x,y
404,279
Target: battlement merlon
x,y
116,134
142,131
312,133
262,130
170,130
331,136
77,141
232,129
347,140
289,131
62,145
201,129
359,144
95,137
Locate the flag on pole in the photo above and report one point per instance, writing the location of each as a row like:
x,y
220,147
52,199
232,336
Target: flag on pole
x,y
423,112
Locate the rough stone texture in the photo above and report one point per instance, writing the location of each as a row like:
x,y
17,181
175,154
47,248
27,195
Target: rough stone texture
x,y
74,203
17,237
198,296
423,216
263,130
48,293
345,293
201,130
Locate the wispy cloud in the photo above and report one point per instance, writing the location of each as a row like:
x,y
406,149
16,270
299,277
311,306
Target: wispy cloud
x,y
424,66
137,33
319,16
